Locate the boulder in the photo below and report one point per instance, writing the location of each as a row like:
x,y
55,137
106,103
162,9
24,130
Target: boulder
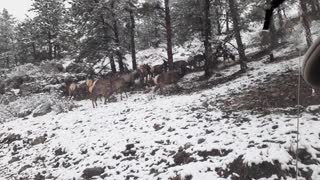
x,y
90,172
29,88
42,109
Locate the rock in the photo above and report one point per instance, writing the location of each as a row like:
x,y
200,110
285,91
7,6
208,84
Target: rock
x,y
23,168
59,152
30,88
42,109
39,140
39,177
129,146
11,138
182,157
14,82
13,159
157,127
24,113
90,172
201,140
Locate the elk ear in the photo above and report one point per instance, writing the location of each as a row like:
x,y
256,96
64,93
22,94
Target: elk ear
x,y
311,65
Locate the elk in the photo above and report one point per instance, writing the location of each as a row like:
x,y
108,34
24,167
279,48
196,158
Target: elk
x,y
129,77
101,87
194,62
165,78
145,71
158,69
119,85
180,66
72,90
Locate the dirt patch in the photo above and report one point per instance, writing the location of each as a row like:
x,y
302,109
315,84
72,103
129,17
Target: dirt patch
x,y
238,170
276,92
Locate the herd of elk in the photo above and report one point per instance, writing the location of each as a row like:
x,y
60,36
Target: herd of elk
x,y
157,75
118,83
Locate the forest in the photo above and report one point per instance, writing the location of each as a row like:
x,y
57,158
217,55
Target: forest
x,y
159,89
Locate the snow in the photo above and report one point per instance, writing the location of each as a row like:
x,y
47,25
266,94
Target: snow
x,y
96,137
104,132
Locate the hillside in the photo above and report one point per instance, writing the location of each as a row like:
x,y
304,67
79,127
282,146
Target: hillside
x,y
233,125
195,135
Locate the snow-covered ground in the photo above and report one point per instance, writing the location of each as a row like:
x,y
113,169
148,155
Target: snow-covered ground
x,y
139,137
150,136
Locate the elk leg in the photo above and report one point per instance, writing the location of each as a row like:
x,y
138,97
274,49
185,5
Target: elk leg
x,y
161,89
156,88
92,99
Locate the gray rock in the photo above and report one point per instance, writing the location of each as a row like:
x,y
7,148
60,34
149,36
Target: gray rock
x,y
90,172
42,109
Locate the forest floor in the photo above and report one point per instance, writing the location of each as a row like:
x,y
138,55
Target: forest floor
x,y
231,126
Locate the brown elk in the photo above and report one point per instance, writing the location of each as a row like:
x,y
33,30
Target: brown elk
x,y
181,66
72,90
101,87
158,69
195,62
145,72
119,85
165,78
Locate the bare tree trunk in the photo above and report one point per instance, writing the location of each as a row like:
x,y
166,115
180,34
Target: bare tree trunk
x,y
305,22
34,52
8,62
50,54
227,22
218,21
112,63
281,23
169,34
117,39
133,45
209,62
55,51
236,28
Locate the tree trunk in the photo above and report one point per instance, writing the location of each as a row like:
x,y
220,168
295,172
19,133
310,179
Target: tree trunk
x,y
281,23
209,62
305,22
117,39
218,21
133,45
34,52
227,22
8,62
112,64
55,51
50,45
236,28
317,5
169,34
273,39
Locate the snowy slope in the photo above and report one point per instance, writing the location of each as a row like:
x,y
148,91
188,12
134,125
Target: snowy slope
x,y
155,127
